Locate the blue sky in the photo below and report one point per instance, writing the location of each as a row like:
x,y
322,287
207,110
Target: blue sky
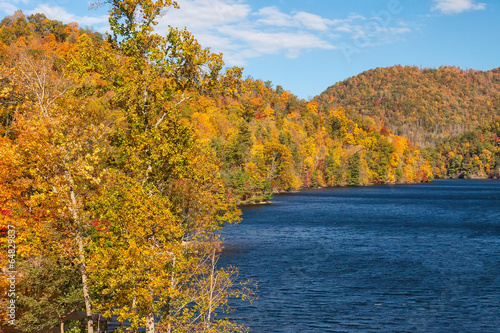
x,y
306,46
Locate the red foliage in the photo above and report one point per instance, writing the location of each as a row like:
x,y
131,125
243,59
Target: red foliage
x,y
6,212
422,176
385,131
100,226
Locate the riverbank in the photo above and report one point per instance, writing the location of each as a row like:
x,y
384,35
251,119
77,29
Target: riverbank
x,y
252,201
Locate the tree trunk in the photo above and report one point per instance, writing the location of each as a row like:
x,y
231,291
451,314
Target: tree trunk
x,y
172,285
213,283
150,323
85,286
81,256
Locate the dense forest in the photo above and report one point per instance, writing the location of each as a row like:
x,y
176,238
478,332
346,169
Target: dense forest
x,y
421,104
452,113
108,205
269,141
473,154
122,154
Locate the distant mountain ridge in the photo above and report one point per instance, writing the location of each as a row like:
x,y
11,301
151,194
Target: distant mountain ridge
x,y
421,104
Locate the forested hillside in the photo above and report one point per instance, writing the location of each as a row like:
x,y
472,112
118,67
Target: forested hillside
x,y
269,141
474,154
422,105
452,113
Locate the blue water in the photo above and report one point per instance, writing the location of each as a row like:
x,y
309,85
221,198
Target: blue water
x,y
406,258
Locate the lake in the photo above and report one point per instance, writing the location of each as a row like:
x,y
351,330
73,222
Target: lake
x,y
402,258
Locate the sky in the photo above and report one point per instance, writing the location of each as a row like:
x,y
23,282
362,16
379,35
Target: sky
x,y
306,46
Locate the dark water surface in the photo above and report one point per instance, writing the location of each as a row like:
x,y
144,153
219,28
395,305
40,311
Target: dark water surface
x,y
406,258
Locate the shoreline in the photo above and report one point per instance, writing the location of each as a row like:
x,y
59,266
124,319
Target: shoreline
x,y
260,203
269,202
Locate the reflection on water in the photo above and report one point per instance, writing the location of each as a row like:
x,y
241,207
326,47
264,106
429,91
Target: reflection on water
x,y
406,258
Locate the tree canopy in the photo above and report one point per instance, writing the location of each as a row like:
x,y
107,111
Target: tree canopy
x,y
122,155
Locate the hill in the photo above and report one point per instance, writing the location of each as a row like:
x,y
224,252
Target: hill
x,y
473,154
421,104
264,138
270,141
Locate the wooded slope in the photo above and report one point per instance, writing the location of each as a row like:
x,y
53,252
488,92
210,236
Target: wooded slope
x,y
420,104
270,141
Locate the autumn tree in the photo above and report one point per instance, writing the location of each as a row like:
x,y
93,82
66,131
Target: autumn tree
x,y
97,164
163,197
55,143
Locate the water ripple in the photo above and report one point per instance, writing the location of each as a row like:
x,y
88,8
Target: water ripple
x,y
376,259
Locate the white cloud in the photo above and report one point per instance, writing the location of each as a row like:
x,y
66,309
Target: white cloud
x,y
202,14
367,32
312,21
456,6
344,28
9,7
274,17
272,43
60,14
356,17
242,31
